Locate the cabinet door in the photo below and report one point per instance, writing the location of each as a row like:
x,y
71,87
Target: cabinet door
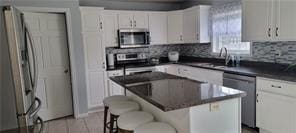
x,y
190,25
158,27
276,113
257,20
175,27
140,20
94,68
285,29
96,90
110,27
113,87
93,50
125,19
90,19
172,69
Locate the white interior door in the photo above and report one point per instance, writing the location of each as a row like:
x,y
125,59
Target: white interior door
x,y
54,85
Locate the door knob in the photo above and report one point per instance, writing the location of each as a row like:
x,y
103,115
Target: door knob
x,y
66,71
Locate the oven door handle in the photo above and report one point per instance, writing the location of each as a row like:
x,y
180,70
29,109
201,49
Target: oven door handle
x,y
140,72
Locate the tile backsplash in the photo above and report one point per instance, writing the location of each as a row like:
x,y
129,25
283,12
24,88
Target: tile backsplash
x,y
261,51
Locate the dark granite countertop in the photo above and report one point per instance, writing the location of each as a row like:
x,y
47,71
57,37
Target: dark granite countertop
x,y
169,92
248,68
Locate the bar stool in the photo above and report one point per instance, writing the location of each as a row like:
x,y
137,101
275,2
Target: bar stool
x,y
107,101
155,127
119,108
128,122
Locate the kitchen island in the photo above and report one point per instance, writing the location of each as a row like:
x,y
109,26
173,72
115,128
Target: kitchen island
x,y
190,106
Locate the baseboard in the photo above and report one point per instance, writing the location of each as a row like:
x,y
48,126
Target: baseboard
x,y
95,109
82,115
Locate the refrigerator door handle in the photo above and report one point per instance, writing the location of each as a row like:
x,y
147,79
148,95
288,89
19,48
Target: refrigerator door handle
x,y
41,122
33,50
36,110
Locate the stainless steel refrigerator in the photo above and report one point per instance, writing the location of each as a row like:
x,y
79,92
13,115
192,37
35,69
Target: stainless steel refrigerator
x,y
24,71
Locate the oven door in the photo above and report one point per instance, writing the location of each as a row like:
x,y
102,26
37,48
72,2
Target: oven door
x,y
132,71
130,38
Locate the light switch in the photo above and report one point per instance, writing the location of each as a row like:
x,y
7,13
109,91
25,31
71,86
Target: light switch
x,y
214,107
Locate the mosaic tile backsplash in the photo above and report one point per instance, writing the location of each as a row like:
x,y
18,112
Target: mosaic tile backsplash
x,y
261,51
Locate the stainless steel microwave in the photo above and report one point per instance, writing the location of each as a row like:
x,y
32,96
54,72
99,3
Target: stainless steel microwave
x,y
131,38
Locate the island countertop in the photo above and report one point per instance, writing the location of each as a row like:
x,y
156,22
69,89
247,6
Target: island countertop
x,y
169,92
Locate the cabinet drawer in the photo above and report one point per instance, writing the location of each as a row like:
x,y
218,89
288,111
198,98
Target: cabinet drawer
x,y
277,86
115,73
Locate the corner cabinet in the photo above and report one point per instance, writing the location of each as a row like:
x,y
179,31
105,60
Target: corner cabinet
x,y
195,24
94,57
276,106
268,20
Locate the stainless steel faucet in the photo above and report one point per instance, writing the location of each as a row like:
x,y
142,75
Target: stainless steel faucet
x,y
226,56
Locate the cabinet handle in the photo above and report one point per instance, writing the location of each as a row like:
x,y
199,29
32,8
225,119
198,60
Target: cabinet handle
x,y
131,23
135,23
103,65
275,86
277,31
197,36
257,98
101,25
268,32
181,38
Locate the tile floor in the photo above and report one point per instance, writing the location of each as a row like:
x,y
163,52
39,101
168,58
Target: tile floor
x,y
91,124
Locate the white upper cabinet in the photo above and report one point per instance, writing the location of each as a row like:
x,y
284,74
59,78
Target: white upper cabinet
x,y
285,24
91,18
110,27
256,21
175,26
140,19
195,24
132,19
269,20
158,27
125,19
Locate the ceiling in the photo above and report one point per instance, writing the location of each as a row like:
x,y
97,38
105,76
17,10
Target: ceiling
x,y
168,1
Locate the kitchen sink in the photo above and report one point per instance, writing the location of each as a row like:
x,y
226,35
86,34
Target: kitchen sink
x,y
210,65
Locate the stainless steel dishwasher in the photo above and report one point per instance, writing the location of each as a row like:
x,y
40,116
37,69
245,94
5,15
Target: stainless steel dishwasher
x,y
247,84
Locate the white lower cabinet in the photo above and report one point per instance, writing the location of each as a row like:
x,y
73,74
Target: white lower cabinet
x,y
200,74
276,112
114,88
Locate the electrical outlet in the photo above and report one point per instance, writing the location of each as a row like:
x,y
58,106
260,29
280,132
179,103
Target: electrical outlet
x,y
214,107
278,53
